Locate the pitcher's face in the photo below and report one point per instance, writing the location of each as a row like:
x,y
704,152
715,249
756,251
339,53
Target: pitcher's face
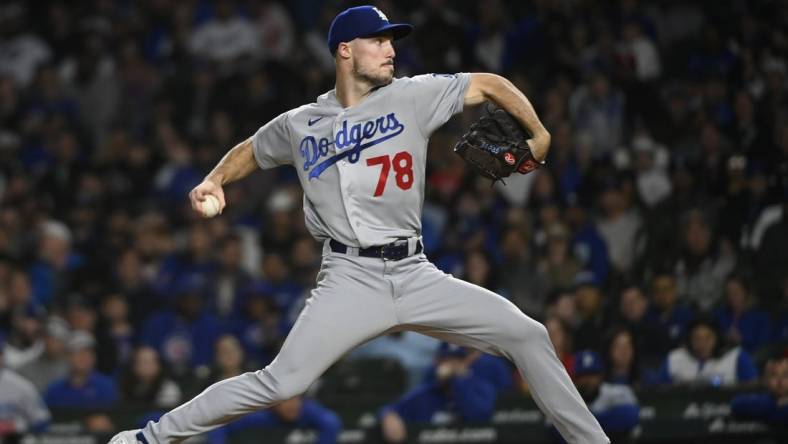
x,y
373,59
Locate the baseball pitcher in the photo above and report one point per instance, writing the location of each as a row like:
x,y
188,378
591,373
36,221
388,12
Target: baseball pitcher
x,y
360,151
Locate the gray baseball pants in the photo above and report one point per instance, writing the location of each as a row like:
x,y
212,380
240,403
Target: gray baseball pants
x,y
359,298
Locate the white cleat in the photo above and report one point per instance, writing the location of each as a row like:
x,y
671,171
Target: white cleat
x,y
126,437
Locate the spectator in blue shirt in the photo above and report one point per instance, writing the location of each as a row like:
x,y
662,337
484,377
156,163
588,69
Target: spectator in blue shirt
x,y
462,386
84,387
613,405
743,323
665,310
702,361
771,406
586,243
298,412
183,336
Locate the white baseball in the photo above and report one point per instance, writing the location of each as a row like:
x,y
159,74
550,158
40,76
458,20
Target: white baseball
x,y
210,206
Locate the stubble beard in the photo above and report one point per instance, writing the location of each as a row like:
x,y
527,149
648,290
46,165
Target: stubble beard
x,y
373,79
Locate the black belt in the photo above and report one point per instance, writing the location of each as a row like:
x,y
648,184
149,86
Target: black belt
x,y
391,252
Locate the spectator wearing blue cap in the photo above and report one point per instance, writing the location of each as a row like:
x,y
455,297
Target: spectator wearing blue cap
x,y
614,405
462,386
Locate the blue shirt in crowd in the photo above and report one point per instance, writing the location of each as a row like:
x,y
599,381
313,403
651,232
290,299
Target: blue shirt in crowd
x,y
312,416
181,342
761,407
754,326
470,397
98,391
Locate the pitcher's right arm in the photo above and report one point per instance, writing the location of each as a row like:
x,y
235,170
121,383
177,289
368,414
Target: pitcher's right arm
x,y
239,162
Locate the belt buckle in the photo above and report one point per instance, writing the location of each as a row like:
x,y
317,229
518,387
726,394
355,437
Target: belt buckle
x,y
394,251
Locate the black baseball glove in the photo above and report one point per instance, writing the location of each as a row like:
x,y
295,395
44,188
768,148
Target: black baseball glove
x,y
495,145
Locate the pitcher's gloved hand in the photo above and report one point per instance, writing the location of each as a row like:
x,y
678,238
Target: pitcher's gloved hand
x,y
496,146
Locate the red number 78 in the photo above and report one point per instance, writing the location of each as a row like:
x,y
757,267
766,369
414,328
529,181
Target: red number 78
x,y
403,170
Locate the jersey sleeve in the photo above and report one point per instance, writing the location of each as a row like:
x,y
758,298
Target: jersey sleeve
x,y
437,97
271,143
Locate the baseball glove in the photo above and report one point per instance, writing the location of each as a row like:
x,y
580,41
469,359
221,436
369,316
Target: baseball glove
x,y
495,145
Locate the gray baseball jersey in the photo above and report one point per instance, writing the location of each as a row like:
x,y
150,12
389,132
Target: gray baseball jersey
x,y
362,171
362,167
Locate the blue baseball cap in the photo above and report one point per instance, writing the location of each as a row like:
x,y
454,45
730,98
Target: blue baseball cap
x,y
362,21
588,362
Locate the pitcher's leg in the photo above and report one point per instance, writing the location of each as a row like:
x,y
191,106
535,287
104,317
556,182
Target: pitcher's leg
x,y
341,314
470,315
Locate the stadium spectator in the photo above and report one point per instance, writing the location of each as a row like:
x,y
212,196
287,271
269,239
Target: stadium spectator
x,y
771,406
741,322
704,263
597,108
227,39
478,269
622,357
260,326
703,361
229,358
52,364
50,274
81,315
461,386
145,381
184,334
24,51
621,225
613,404
591,311
666,311
24,343
298,412
521,283
277,281
84,387
559,267
587,244
120,331
231,279
647,335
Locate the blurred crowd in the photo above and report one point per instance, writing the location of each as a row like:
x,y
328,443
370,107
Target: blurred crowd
x,y
655,237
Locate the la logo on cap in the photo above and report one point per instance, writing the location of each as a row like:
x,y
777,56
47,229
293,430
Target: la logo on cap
x,y
381,14
588,360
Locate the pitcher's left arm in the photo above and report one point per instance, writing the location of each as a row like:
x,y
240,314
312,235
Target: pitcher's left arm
x,y
497,89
